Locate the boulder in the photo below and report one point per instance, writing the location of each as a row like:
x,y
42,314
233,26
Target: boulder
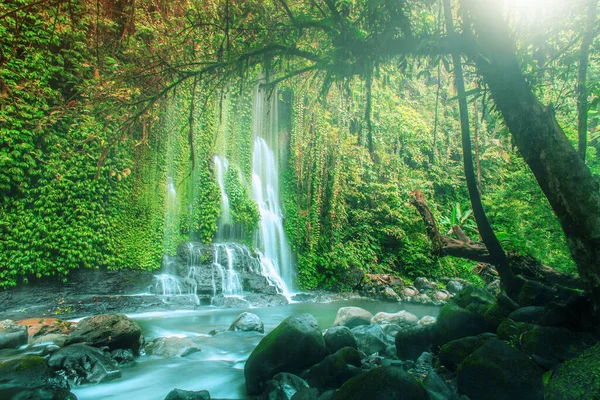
x,y
427,320
81,363
116,331
437,388
295,344
475,299
352,317
283,386
178,394
408,292
578,378
455,321
44,326
389,294
535,294
402,318
550,343
423,284
122,356
247,322
530,314
422,298
371,338
453,353
171,347
12,335
412,342
57,339
29,372
494,316
497,371
40,393
338,337
335,369
441,295
382,383
454,287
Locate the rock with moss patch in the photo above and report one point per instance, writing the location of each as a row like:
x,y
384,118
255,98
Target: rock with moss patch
x,y
295,344
382,383
453,353
535,294
352,317
494,316
578,378
335,369
116,331
178,394
402,318
474,299
497,371
29,372
455,321
411,343
12,335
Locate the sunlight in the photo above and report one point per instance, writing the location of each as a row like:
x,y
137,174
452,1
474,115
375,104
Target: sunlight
x,y
539,12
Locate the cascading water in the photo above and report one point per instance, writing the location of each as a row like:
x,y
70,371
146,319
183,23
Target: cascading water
x,y
270,240
224,221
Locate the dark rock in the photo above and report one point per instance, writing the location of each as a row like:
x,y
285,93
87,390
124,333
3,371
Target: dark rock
x,y
408,292
402,318
334,370
178,394
283,386
411,343
116,331
29,372
535,294
497,371
57,339
308,393
338,337
494,287
352,317
247,322
122,356
383,383
424,364
171,347
578,378
422,284
455,321
40,393
353,277
474,299
453,353
371,338
437,388
12,335
494,316
530,315
296,343
84,364
549,343
454,287
507,303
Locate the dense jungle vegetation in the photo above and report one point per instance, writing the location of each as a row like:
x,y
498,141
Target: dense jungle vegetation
x,y
103,104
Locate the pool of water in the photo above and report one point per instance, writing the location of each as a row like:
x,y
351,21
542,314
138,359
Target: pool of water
x,y
219,367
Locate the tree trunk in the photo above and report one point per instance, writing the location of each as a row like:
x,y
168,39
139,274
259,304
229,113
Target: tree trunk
x,y
582,94
497,255
476,139
561,173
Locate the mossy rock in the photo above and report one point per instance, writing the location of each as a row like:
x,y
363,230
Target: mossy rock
x,y
383,383
295,344
535,294
497,371
29,372
453,353
412,342
474,299
456,322
494,316
578,378
335,369
550,343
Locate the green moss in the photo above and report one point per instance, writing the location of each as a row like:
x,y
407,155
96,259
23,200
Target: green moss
x,y
578,378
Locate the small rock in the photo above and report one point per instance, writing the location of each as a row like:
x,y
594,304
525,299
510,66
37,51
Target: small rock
x,y
309,393
456,322
171,347
335,369
441,295
427,320
402,318
371,338
530,315
338,337
57,339
408,292
352,317
422,298
412,342
454,287
421,283
247,322
453,353
389,294
283,386
84,364
424,363
122,356
12,335
178,394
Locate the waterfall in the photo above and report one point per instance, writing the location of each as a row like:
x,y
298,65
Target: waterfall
x,y
270,240
171,215
224,221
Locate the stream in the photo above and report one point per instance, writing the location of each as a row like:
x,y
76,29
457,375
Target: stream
x,y
219,367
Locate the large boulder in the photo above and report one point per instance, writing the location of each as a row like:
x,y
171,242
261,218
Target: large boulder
x,y
497,371
39,393
411,343
455,321
382,383
371,338
474,299
453,353
352,317
530,315
29,372
247,322
335,369
338,337
116,331
402,318
295,344
578,378
171,347
12,335
178,394
81,363
284,386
